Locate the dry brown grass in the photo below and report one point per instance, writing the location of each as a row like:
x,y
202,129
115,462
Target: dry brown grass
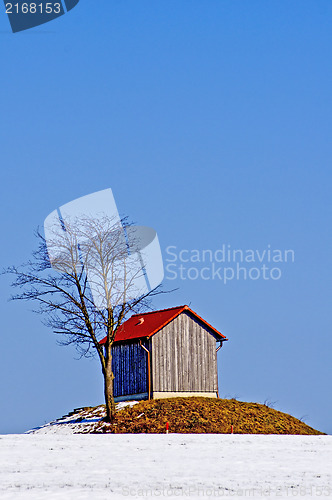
x,y
196,415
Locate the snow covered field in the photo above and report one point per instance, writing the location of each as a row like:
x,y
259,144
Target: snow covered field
x,y
99,467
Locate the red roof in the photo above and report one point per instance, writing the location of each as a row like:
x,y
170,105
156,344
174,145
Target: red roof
x,y
145,325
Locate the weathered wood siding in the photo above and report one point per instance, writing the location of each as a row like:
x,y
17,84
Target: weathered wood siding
x,y
184,357
130,368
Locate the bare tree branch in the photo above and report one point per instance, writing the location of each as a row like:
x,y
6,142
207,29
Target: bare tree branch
x,y
84,282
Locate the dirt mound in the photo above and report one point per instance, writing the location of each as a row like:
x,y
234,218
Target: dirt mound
x,y
203,415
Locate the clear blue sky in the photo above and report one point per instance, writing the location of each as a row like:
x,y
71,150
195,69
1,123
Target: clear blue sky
x,y
211,122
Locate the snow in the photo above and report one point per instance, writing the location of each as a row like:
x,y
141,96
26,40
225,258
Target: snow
x,y
80,420
89,466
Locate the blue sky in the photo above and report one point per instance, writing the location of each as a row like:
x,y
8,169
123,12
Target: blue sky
x,y
211,122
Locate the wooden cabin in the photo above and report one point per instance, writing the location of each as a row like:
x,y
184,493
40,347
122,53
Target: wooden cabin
x,y
166,353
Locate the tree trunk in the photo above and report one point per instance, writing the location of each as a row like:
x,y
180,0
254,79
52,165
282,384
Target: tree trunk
x,y
108,390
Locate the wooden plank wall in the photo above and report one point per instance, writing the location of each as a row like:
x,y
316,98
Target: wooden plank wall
x,y
130,368
184,357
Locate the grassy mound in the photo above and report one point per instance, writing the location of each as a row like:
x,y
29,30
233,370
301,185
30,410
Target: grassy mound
x,y
204,415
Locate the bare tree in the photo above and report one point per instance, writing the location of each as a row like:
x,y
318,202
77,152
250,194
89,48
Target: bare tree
x,y
87,278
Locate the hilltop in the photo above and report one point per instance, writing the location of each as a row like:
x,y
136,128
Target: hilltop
x,y
193,415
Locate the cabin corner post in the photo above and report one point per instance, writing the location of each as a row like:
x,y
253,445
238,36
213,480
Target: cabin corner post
x,y
149,369
220,346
